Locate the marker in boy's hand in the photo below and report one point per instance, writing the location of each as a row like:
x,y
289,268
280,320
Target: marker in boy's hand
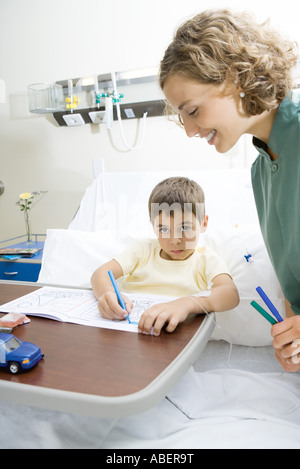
x,y
118,293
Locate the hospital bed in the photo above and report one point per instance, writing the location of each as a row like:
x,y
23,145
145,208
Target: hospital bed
x,y
235,395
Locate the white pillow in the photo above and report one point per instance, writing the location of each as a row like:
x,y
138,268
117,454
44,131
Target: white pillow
x,y
70,257
244,325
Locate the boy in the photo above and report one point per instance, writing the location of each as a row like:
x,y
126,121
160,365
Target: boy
x,y
169,265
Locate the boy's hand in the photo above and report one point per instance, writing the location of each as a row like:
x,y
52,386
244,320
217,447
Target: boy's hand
x,y
171,312
110,308
286,335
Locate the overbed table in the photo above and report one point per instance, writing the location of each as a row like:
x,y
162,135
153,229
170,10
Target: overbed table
x,y
100,372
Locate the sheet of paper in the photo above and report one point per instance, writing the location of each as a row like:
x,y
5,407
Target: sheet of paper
x,y
78,306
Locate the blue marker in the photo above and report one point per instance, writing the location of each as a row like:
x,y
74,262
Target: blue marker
x,y
269,303
118,293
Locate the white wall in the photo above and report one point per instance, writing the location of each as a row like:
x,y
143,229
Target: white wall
x,y
51,40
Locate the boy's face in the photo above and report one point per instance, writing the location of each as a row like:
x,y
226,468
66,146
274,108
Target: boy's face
x,y
178,234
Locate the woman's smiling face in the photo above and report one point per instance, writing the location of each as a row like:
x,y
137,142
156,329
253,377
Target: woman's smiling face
x,y
214,112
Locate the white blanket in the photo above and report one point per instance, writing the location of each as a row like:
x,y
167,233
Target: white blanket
x,y
225,408
218,409
237,397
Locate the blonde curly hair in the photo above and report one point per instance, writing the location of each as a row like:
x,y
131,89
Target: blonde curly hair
x,y
217,45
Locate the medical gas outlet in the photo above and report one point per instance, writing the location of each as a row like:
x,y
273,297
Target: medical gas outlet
x,y
97,117
73,119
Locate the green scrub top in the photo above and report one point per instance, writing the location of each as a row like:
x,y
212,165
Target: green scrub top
x,y
276,186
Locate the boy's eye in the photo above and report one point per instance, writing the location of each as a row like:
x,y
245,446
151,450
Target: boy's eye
x,y
164,230
185,228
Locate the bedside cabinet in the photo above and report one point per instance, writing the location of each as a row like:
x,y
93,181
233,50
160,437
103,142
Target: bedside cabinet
x,y
24,269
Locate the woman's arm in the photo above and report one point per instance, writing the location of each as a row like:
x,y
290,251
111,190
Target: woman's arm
x,y
286,340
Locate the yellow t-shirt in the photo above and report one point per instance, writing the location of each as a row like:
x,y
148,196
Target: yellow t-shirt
x,y
146,272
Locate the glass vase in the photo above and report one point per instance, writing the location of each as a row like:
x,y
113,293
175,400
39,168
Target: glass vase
x,y
27,228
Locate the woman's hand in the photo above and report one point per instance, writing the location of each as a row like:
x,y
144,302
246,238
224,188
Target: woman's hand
x,y
286,335
110,308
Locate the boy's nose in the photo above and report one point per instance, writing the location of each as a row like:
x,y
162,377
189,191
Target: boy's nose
x,y
175,240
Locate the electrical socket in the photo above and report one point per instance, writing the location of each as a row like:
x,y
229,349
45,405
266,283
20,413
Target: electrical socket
x,y
73,119
98,166
97,117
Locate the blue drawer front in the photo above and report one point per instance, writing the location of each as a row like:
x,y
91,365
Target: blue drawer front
x,y
22,271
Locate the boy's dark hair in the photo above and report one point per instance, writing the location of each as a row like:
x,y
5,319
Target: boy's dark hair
x,y
177,192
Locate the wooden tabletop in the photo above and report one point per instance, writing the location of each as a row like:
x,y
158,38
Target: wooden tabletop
x,y
92,360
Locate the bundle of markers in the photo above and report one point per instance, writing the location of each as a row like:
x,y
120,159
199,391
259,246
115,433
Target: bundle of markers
x,y
270,305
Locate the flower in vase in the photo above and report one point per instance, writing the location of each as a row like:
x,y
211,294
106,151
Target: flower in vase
x,y
26,202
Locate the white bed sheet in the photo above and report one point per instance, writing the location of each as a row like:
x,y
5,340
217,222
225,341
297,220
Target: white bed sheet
x,y
259,411
222,402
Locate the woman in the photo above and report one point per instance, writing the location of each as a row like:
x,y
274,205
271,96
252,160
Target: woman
x,y
225,76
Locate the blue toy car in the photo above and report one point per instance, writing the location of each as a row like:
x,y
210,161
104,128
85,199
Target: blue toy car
x,y
17,355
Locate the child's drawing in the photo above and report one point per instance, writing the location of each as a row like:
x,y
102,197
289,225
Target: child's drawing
x,y
76,306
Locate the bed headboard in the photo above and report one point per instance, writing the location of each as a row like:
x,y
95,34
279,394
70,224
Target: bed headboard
x,y
119,200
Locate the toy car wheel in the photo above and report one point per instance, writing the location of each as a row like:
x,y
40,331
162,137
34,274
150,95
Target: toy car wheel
x,y
14,368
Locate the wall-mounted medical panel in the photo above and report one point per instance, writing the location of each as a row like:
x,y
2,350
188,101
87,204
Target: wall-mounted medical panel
x,y
97,115
98,99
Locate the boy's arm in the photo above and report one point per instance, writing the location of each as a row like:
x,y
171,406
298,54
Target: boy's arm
x,y
100,280
224,296
104,291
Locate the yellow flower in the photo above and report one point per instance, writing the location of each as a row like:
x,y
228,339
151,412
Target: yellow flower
x,y
25,195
